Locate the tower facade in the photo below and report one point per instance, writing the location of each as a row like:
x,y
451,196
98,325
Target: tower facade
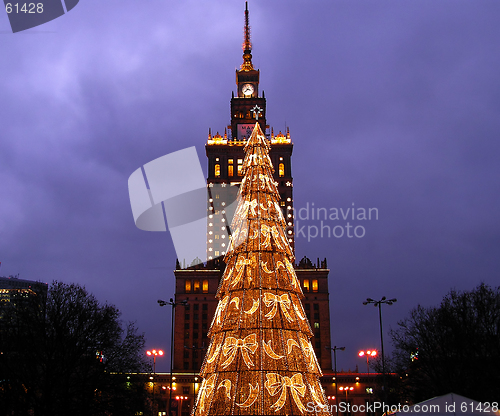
x,y
198,284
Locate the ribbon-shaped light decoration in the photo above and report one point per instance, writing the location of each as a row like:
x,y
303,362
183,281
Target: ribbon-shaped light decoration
x,y
267,232
227,385
298,312
220,309
279,213
275,384
238,237
309,354
246,345
291,272
240,265
247,205
254,393
207,388
213,352
316,396
264,181
271,301
255,306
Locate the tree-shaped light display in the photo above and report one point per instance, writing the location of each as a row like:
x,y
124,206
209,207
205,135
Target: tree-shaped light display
x,y
260,360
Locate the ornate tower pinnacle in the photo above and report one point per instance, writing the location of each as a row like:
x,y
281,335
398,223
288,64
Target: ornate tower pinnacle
x,y
247,45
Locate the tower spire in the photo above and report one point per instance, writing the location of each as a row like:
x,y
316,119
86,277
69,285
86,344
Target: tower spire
x,y
247,45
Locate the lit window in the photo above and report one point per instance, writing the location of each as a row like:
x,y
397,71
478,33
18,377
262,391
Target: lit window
x,y
240,166
305,285
216,236
315,285
196,286
216,253
281,169
316,324
230,170
188,286
217,170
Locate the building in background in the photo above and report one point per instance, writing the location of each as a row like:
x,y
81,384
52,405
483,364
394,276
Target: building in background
x,y
15,292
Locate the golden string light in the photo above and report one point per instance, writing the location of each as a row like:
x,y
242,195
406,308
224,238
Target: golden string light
x,y
260,360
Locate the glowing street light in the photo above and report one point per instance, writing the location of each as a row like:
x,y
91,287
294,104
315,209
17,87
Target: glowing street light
x,y
334,349
368,354
154,354
181,398
346,389
173,305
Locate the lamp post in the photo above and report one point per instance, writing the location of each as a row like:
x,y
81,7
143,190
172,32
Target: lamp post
x,y
173,304
154,354
181,398
334,349
368,354
379,304
346,389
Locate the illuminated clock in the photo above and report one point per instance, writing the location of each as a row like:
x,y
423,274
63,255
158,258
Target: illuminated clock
x,y
247,89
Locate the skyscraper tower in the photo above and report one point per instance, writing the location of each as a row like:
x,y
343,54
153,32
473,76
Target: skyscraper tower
x,y
225,153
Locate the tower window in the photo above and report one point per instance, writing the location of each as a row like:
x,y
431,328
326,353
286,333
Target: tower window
x,y
281,169
305,284
217,170
196,285
205,286
315,285
240,167
188,286
230,170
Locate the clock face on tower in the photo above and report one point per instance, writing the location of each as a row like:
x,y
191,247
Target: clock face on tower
x,y
247,90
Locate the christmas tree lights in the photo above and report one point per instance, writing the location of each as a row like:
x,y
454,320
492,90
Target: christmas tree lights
x,y
260,360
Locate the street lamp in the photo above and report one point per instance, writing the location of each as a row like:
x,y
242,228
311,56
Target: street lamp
x,y
154,354
173,304
368,354
346,389
334,349
181,398
379,304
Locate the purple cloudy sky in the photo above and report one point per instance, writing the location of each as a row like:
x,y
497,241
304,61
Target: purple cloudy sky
x,y
390,104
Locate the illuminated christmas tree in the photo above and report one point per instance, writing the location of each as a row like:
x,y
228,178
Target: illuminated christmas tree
x,y
260,360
